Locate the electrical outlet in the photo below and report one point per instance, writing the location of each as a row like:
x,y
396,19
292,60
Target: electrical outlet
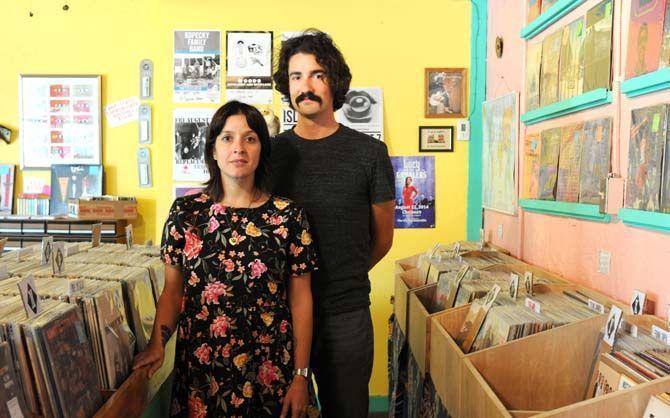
x,y
604,261
500,231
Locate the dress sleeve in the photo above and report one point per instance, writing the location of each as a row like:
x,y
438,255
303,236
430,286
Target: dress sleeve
x,y
382,180
172,243
302,257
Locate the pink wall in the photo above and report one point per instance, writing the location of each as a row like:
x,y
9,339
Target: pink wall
x,y
569,246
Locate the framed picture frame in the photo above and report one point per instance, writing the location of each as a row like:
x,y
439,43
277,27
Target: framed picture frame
x,y
445,93
60,120
436,138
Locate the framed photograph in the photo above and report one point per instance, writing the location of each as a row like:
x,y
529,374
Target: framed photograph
x,y
445,93
436,138
60,120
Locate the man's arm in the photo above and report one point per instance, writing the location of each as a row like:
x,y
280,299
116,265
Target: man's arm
x,y
382,230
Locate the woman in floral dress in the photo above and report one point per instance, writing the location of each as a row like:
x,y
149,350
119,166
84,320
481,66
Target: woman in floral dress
x,y
238,264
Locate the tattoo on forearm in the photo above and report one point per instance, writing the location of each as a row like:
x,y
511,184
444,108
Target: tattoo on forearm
x,y
166,332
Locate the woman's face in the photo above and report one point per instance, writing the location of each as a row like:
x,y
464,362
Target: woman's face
x,y
237,149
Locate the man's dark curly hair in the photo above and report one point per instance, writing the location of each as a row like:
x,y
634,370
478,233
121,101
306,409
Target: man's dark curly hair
x,y
327,55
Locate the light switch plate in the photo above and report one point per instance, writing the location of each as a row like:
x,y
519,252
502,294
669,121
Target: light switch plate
x,y
144,124
144,167
146,79
604,261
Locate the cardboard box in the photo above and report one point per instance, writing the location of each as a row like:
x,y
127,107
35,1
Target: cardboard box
x,y
106,207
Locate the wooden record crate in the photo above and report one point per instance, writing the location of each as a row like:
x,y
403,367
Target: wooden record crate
x,y
407,263
547,375
444,357
405,282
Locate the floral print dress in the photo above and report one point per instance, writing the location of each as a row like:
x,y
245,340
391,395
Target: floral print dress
x,y
235,341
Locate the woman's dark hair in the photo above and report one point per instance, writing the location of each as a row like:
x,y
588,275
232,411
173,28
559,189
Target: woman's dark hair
x,y
407,178
214,186
320,45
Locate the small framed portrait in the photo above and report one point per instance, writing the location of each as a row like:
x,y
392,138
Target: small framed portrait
x,y
445,93
436,138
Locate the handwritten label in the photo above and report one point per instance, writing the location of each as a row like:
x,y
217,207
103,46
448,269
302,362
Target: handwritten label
x,y
74,286
96,231
660,334
72,250
528,283
432,251
58,259
533,305
4,274
637,302
23,253
3,241
596,307
47,250
457,250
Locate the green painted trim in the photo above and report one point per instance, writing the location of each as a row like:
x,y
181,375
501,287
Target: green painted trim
x,y
549,17
379,404
478,28
654,221
593,98
647,83
565,209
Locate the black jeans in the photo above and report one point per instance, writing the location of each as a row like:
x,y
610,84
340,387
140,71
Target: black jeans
x,y
342,355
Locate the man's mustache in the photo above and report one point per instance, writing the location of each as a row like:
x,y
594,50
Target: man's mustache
x,y
308,95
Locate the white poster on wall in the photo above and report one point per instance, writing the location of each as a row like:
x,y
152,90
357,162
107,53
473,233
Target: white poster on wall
x,y
197,66
190,131
363,110
249,67
59,120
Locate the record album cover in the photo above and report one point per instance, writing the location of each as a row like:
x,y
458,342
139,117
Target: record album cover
x,y
567,189
72,182
549,152
595,161
645,157
645,33
598,47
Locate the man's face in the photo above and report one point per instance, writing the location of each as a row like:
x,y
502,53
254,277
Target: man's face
x,y
308,87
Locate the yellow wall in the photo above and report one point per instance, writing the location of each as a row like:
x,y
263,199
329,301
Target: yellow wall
x,y
386,43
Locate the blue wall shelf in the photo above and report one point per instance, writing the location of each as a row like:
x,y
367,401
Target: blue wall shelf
x,y
647,83
593,98
565,209
547,18
654,221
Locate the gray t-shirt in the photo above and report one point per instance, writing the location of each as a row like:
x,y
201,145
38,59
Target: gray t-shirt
x,y
336,179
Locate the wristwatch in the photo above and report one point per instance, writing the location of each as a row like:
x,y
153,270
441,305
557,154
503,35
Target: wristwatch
x,y
305,372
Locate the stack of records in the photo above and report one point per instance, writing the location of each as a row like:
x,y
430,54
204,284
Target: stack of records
x,y
509,318
541,276
148,250
137,292
12,402
102,307
636,357
475,259
54,358
154,265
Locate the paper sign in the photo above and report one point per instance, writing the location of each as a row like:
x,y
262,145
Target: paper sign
x,y
528,282
96,231
74,286
637,302
23,253
3,241
612,325
129,237
533,305
513,285
58,258
122,112
4,274
660,334
14,408
457,250
596,307
47,250
29,296
35,185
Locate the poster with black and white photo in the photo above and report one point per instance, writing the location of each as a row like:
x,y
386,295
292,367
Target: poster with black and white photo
x,y
363,110
197,66
190,131
249,67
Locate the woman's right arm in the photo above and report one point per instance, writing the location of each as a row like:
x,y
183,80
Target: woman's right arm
x,y
167,313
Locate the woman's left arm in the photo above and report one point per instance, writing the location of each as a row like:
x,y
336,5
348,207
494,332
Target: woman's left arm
x,y
300,303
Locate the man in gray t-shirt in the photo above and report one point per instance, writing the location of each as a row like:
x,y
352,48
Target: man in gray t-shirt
x,y
344,180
